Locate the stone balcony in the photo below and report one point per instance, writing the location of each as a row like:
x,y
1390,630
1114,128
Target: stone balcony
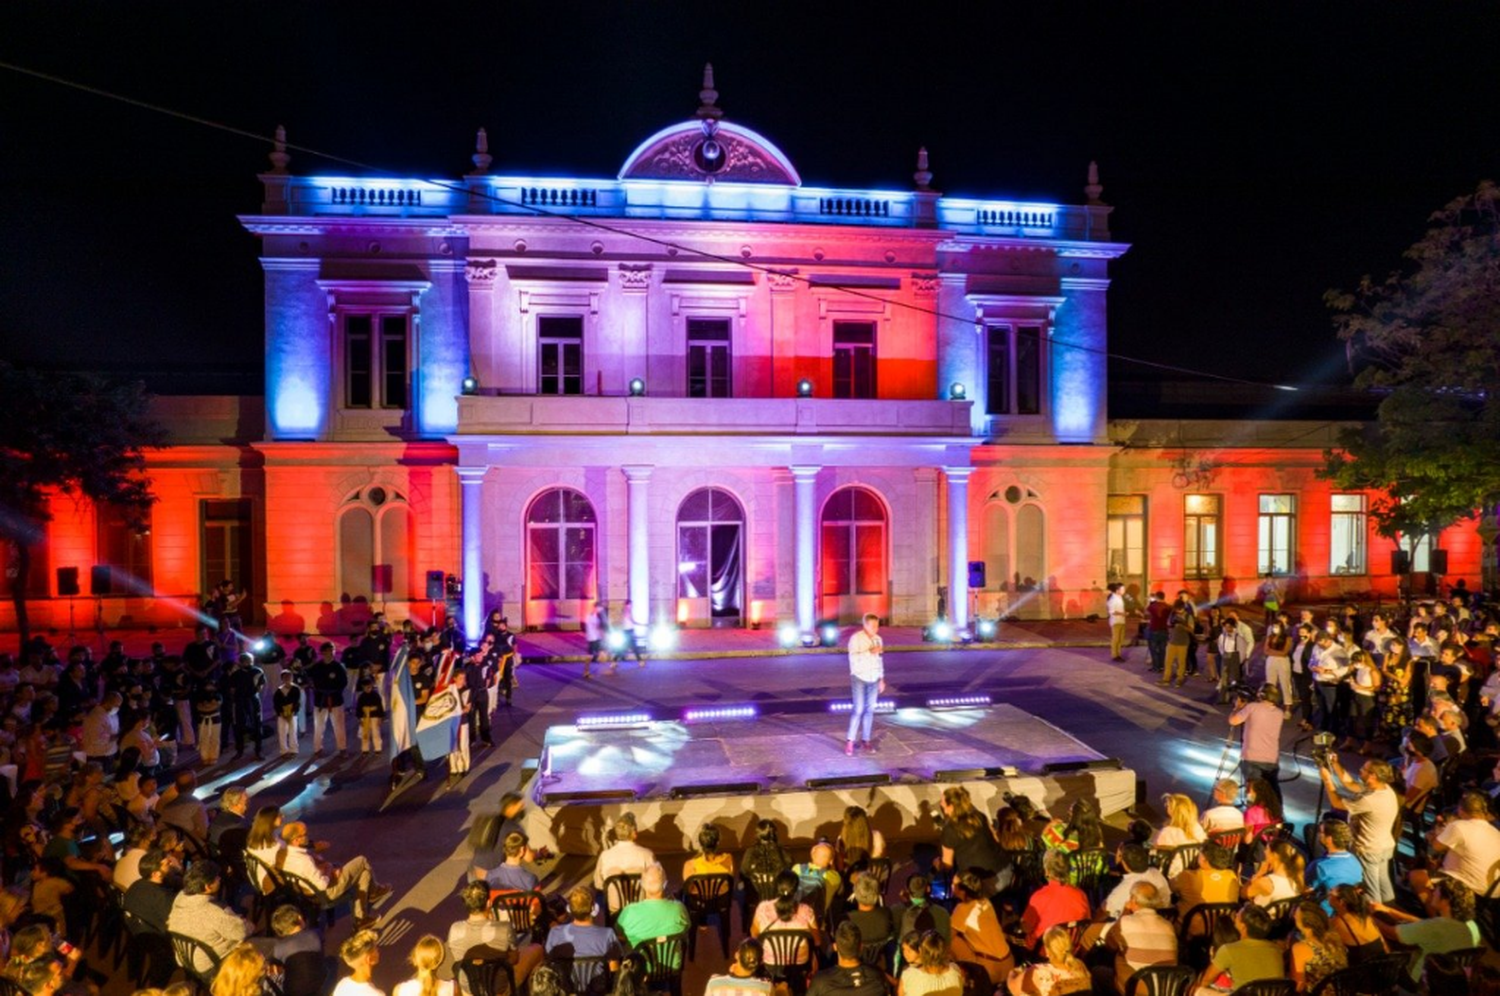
x,y
588,415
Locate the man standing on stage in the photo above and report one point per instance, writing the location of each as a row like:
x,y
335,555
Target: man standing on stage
x,y
866,680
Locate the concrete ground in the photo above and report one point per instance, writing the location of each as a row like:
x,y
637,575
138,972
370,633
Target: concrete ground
x,y
1173,738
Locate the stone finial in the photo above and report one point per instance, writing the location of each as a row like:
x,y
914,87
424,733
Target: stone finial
x,y
278,155
923,175
708,96
1094,188
481,156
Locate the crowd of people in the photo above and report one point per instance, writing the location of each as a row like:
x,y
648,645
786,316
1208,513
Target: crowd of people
x,y
105,833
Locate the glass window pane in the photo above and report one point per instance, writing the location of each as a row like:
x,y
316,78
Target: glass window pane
x,y
840,505
725,508
545,545
696,507
1028,371
1348,503
869,553
547,507
998,374
843,373
576,507
358,361
866,506
836,578
1125,505
692,561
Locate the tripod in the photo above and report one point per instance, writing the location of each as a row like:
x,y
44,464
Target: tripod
x,y
1230,743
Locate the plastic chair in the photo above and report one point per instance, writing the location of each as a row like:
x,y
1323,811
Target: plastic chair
x,y
315,900
1172,860
485,978
1379,976
1447,974
149,956
1267,987
521,909
665,957
589,973
880,869
1027,875
707,897
1280,913
1192,944
191,953
756,887
1161,980
788,956
1090,869
619,892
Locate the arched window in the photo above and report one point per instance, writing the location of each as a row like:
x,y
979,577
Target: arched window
x,y
710,553
1031,545
854,560
375,530
1015,540
560,546
996,546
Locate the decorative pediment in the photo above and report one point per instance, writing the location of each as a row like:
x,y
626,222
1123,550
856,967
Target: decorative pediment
x,y
709,151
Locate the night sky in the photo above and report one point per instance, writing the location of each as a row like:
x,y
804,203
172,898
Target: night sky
x,y
1254,158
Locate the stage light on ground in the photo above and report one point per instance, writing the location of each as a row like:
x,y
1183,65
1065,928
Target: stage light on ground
x,y
663,637
830,634
941,631
788,635
262,645
959,702
882,705
987,629
804,388
615,640
637,387
615,720
470,385
710,714
957,391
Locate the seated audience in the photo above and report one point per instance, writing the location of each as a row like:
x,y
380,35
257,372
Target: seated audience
x,y
512,875
180,807
1142,937
711,859
654,915
1135,866
849,976
361,953
623,857
1224,814
1278,877
426,957
1468,844
977,936
150,899
244,972
354,875
785,911
1353,922
1317,953
1449,925
480,936
1337,866
765,858
817,873
918,912
933,972
857,840
1055,903
1250,958
1060,974
745,975
138,838
874,920
579,937
195,914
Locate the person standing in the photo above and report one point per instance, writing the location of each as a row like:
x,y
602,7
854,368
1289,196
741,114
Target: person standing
x,y
1372,806
1114,608
245,684
866,681
1158,618
329,681
594,629
1260,743
286,701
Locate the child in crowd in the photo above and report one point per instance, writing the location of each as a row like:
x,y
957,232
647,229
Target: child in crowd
x,y
208,706
371,710
286,701
458,753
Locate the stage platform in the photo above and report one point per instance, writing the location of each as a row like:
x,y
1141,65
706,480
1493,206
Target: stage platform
x,y
676,775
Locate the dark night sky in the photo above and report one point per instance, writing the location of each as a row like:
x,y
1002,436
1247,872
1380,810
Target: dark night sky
x,y
1254,158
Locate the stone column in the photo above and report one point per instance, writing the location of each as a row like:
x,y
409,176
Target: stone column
x,y
637,478
958,546
803,481
470,484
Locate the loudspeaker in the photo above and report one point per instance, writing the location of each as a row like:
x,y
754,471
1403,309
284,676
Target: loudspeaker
x,y
381,576
435,585
723,788
67,581
99,580
1437,561
846,781
976,574
1061,767
967,774
1400,561
598,795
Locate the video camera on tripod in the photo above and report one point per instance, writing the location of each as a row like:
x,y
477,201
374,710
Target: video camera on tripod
x,y
1242,692
1323,751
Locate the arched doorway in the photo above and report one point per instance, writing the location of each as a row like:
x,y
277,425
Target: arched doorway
x,y
710,558
854,563
560,558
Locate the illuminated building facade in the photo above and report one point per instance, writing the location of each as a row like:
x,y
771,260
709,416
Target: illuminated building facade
x,y
713,391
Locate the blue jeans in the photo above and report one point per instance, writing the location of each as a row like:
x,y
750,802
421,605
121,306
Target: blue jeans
x,y
1377,869
865,695
1156,645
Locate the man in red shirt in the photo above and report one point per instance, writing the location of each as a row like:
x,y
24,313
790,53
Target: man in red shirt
x,y
1055,903
1158,622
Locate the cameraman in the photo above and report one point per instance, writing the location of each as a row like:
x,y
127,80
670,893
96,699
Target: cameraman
x,y
1372,806
1260,742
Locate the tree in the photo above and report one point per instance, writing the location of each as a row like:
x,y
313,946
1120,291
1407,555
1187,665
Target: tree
x,y
1426,340
67,434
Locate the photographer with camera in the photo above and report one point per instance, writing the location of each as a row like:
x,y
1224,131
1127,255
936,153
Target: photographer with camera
x,y
1372,806
1260,741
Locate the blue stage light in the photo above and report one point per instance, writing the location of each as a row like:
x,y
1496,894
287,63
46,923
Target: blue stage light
x,y
615,640
788,635
599,721
987,629
959,702
637,387
663,637
844,705
941,631
262,645
714,713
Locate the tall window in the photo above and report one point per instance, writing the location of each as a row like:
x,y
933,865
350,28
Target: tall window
x,y
854,359
560,354
560,546
376,361
124,546
1277,531
853,543
708,358
710,559
1125,538
1202,526
1346,547
225,544
1014,370
375,545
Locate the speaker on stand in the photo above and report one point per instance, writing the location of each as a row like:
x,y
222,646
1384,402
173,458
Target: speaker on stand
x,y
100,584
437,588
67,587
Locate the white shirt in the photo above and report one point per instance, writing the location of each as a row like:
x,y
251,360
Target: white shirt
x,y
101,732
865,661
128,868
1473,848
1372,816
413,987
624,857
1114,605
300,863
1223,818
348,987
1114,903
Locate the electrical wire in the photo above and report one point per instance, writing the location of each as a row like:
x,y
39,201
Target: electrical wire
x,y
598,225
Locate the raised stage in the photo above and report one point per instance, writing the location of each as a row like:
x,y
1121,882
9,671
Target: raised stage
x,y
759,768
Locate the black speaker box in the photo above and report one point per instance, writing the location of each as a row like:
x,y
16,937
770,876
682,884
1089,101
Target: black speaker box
x,y
67,581
99,580
435,585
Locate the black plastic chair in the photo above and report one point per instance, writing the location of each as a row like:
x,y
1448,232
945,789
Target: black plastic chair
x,y
1487,910
1090,870
192,953
619,892
485,978
789,956
522,910
314,900
880,869
665,958
149,956
1161,980
1197,930
1026,876
1266,987
1379,976
590,973
708,897
264,900
1172,860
1281,912
1447,974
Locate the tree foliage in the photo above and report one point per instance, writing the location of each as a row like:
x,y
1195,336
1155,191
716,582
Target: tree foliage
x,y
1427,340
67,434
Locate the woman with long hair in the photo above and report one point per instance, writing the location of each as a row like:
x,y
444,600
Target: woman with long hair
x,y
934,971
1364,682
630,980
978,938
241,973
263,841
426,957
785,912
1318,953
857,839
1011,832
1354,924
1181,828
967,841
711,858
766,857
1061,973
1264,809
1083,829
1395,704
1278,877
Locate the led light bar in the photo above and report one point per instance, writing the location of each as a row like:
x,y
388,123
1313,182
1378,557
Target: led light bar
x,y
882,705
708,714
612,720
960,702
